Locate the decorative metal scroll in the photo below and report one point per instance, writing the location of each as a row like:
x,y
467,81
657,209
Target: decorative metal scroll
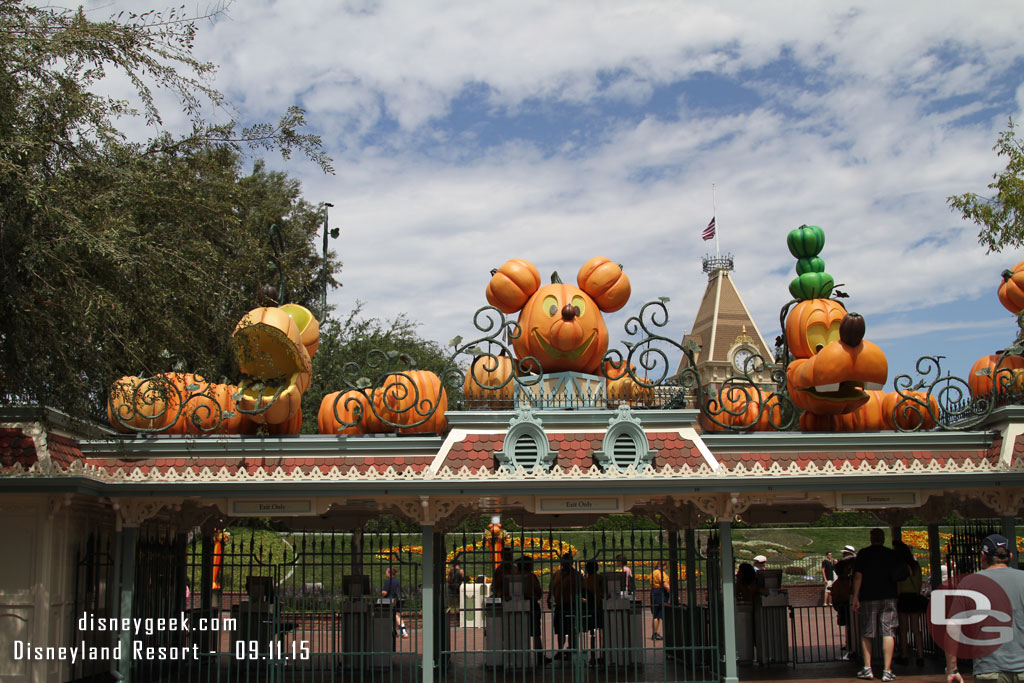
x,y
386,390
739,403
173,403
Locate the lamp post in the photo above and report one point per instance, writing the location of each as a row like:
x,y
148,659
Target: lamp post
x,y
323,294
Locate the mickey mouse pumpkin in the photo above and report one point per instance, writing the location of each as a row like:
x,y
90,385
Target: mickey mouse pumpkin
x,y
561,326
833,362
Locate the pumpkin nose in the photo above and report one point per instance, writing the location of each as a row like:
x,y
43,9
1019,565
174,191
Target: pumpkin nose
x,y
568,312
851,329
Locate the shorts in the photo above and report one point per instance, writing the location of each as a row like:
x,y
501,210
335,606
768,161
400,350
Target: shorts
x,y
878,614
828,585
1000,677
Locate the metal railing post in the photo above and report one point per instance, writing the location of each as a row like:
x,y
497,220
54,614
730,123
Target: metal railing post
x,y
728,602
1010,531
427,622
934,555
127,539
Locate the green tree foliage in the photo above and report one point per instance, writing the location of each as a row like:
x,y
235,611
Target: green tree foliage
x,y
1001,216
125,257
358,351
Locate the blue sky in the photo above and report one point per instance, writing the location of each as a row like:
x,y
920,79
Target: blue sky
x,y
468,133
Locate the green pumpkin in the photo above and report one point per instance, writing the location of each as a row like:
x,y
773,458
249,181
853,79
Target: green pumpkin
x,y
811,286
806,241
815,264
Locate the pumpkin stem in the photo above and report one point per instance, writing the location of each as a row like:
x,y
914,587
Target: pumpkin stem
x,y
493,271
1007,274
555,280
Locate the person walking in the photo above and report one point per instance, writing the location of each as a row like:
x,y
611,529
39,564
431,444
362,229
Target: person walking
x,y
533,593
392,589
876,576
565,594
593,607
1005,663
659,595
842,590
829,575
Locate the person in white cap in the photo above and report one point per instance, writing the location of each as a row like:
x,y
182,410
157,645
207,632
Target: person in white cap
x,y
759,562
842,589
1006,663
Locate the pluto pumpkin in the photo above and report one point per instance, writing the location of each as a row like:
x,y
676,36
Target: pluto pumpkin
x,y
561,326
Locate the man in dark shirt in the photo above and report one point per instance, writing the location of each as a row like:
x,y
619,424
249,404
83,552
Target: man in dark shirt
x,y
875,590
829,575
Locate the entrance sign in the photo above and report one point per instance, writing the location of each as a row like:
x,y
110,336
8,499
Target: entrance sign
x,y
562,505
262,508
878,499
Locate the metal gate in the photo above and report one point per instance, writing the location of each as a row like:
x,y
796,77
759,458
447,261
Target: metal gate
x,y
248,604
561,606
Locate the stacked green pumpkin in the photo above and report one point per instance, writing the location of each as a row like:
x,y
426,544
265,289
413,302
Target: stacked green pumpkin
x,y
811,281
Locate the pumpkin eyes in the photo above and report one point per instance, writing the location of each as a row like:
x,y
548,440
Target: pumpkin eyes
x,y
550,305
579,304
819,336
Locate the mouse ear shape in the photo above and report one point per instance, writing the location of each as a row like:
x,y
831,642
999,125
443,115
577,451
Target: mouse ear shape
x,y
512,285
605,282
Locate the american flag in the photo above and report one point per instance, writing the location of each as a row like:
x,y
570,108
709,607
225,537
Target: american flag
x,y
709,232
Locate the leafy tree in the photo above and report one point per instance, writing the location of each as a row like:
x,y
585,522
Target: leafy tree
x,y
126,257
1001,216
366,348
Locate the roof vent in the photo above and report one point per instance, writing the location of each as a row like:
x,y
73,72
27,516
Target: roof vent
x,y
625,445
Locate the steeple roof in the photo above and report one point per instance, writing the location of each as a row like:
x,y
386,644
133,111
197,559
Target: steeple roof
x,y
723,320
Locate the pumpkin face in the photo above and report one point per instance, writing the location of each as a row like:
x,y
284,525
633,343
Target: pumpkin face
x,y
512,285
1001,375
269,350
834,362
562,327
490,382
813,324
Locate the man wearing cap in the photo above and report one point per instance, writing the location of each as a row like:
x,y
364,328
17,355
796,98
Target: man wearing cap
x,y
759,562
1006,663
876,576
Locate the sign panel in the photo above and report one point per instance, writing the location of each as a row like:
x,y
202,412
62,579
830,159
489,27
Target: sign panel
x,y
878,499
267,508
562,505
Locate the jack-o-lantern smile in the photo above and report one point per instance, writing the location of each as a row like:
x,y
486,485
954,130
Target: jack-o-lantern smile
x,y
834,364
571,354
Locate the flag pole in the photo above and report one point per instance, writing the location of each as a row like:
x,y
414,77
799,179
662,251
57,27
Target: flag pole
x,y
714,215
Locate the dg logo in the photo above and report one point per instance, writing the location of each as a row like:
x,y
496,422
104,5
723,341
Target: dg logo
x,y
970,616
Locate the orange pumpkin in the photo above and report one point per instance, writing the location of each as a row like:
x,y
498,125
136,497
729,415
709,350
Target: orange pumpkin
x,y
490,382
351,402
182,421
908,415
813,324
512,285
137,403
562,327
1001,372
621,388
739,406
269,350
1011,289
605,282
288,427
870,417
408,397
